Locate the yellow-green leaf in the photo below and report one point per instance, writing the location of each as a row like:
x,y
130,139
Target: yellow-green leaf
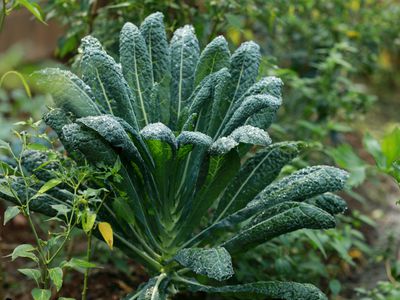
x,y
390,145
49,185
88,219
21,77
107,233
34,8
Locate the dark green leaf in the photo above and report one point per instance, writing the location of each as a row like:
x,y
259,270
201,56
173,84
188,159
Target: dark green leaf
x,y
222,146
214,263
250,106
256,173
114,133
184,56
269,289
105,78
268,85
193,138
136,67
214,57
220,103
86,142
153,31
302,216
302,184
329,202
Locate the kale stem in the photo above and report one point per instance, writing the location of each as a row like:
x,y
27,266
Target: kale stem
x,y
155,289
151,262
138,236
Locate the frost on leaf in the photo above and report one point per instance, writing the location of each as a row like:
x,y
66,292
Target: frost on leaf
x,y
184,56
113,132
82,141
244,69
153,31
215,262
269,289
329,202
223,145
250,106
214,57
158,131
69,92
111,90
256,173
194,138
300,185
251,135
300,216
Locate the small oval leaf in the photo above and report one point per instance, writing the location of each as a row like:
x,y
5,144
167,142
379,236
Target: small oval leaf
x,y
32,274
10,213
24,250
56,276
40,294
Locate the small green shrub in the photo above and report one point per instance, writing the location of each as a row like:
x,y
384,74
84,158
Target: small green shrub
x,y
191,195
28,168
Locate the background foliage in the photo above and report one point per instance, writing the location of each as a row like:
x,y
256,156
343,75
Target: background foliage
x,y
335,57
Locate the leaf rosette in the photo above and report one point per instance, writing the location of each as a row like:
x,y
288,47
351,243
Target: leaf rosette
x,y
199,173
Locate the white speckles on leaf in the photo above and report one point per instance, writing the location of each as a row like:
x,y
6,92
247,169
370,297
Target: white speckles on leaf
x,y
223,145
215,263
251,135
194,138
158,131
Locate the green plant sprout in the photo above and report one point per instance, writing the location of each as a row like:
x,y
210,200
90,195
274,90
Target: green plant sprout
x,y
33,163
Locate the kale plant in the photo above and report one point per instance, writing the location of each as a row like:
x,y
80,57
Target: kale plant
x,y
198,176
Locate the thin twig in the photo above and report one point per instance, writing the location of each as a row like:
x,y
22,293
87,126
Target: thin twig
x,y
86,276
3,15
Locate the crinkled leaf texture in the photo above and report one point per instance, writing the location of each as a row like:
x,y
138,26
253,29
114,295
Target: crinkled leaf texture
x,y
300,215
269,289
215,263
199,177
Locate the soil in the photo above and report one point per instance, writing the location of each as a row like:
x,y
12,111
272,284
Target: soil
x,y
104,283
